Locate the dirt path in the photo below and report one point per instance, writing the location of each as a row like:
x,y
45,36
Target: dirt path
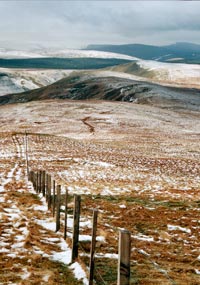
x,y
85,122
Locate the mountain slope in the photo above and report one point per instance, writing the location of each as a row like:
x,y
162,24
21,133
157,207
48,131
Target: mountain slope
x,y
137,50
20,80
84,86
184,47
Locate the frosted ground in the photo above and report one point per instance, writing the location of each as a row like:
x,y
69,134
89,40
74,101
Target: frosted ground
x,y
139,165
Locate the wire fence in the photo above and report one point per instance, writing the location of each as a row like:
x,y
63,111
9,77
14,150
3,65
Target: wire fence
x,y
42,183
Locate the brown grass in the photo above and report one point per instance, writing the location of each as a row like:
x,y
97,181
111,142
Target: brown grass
x,y
169,258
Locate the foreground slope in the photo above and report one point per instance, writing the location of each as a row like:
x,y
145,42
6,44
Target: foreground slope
x,y
138,164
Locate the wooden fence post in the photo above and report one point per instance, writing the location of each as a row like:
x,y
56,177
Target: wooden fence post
x,y
31,176
124,258
66,202
46,187
26,152
58,208
34,180
93,244
75,238
49,192
36,184
43,182
54,197
39,181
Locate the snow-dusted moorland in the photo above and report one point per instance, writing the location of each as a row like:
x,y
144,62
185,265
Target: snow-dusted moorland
x,y
154,194
64,53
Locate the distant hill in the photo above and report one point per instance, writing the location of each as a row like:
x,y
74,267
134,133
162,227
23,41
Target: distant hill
x,y
137,50
184,47
178,52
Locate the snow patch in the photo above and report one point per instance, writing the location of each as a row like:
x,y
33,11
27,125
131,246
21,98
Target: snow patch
x,y
178,228
79,272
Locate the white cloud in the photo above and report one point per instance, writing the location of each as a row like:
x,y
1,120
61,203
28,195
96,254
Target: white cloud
x,y
78,23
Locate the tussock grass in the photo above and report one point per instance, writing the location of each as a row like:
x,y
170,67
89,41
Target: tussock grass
x,y
159,255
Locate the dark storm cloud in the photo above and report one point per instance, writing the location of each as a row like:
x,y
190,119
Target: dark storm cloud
x,y
78,23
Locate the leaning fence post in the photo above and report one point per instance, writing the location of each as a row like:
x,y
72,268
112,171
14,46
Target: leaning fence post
x,y
66,201
75,238
58,208
124,258
93,244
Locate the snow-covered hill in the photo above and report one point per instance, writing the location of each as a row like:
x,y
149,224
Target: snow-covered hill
x,y
65,53
174,74
171,70
187,75
19,80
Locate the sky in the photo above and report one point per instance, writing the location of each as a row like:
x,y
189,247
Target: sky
x,y
75,24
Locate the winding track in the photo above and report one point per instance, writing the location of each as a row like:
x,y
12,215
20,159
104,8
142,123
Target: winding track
x,y
85,122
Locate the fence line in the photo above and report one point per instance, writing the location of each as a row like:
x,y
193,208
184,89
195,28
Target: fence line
x,y
43,183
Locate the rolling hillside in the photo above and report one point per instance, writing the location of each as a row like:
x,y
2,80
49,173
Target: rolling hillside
x,y
84,86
